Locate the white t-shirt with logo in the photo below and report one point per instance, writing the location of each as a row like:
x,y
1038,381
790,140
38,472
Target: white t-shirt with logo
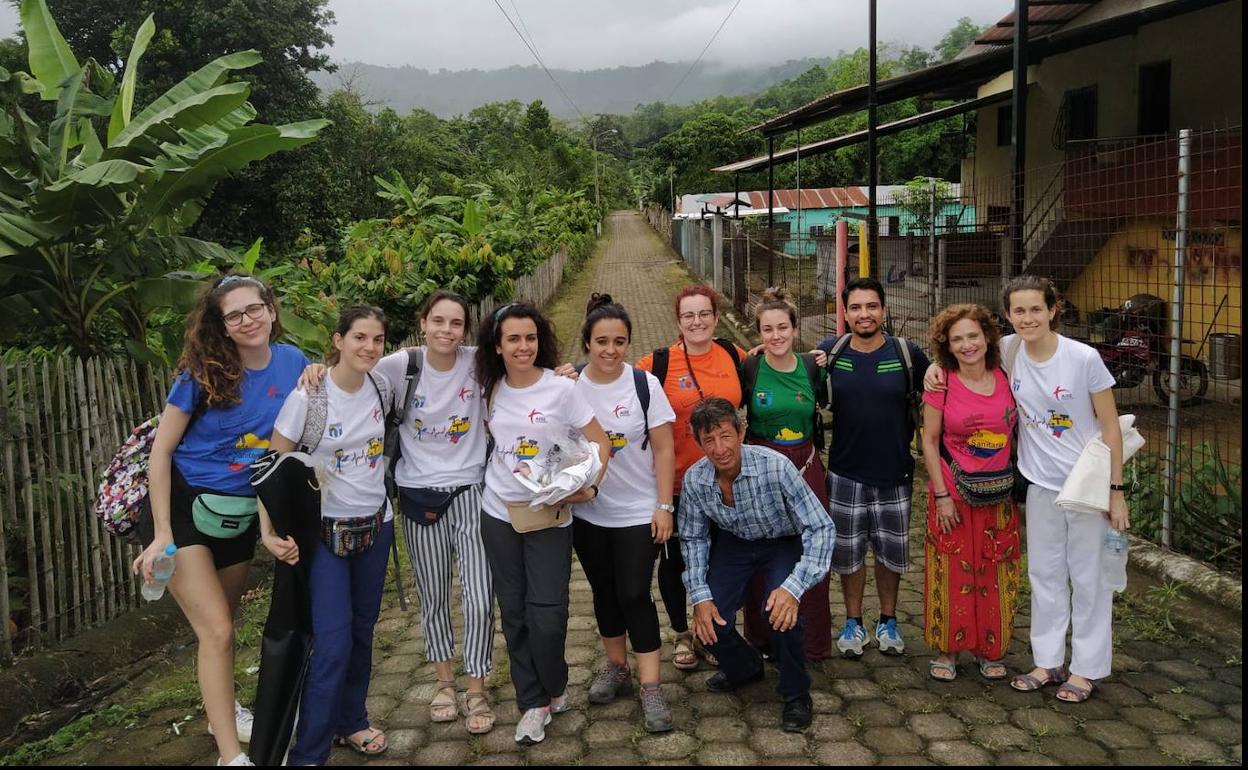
x,y
529,426
349,456
442,437
1055,415
628,494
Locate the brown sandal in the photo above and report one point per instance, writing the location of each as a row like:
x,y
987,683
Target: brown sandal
x,y
443,707
683,656
478,716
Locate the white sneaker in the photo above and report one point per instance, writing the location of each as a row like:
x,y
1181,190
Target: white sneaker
x,y
242,760
243,720
559,704
889,638
532,726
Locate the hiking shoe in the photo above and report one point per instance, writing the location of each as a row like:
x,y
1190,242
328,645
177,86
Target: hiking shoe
x,y
611,681
242,760
243,720
654,708
852,639
531,728
889,638
559,704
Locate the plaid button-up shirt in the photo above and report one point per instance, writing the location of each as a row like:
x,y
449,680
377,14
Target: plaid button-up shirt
x,y
772,501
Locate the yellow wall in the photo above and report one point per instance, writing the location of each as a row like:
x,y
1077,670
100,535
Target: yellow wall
x,y
1140,259
1205,50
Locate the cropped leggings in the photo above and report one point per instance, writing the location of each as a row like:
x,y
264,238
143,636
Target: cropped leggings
x,y
619,562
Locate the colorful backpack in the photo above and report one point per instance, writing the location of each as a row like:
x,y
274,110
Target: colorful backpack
x,y
124,486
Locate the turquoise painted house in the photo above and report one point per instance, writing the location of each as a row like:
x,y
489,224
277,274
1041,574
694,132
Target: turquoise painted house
x,y
810,213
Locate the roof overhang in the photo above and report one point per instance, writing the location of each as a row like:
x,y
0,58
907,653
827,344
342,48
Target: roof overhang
x,y
829,145
960,77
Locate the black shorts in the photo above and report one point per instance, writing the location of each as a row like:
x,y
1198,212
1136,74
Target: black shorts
x,y
226,552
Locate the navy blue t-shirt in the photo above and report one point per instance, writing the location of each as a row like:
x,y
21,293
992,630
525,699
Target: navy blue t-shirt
x,y
221,443
871,430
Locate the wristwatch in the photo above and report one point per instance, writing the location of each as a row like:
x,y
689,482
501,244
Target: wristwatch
x,y
666,507
1118,487
595,488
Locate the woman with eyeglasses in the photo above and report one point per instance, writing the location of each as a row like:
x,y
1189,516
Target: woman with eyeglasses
x,y
698,366
231,382
534,417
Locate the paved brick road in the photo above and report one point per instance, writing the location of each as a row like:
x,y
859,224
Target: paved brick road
x,y
1180,701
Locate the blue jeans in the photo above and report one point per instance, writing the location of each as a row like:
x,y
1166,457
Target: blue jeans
x,y
733,562
346,600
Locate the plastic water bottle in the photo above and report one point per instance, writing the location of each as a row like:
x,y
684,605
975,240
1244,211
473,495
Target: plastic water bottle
x,y
1114,560
162,571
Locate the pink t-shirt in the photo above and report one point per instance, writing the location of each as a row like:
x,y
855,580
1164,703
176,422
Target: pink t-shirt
x,y
978,429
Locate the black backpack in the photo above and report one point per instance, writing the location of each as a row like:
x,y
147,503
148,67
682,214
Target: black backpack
x,y
818,385
662,358
643,397
914,399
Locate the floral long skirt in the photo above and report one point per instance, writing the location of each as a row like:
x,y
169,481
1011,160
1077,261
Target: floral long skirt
x,y
971,584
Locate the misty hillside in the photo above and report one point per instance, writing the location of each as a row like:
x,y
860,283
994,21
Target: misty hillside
x,y
617,90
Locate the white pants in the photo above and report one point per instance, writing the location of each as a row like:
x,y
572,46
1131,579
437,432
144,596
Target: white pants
x,y
1064,567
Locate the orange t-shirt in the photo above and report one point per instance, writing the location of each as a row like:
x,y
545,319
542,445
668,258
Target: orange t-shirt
x,y
715,374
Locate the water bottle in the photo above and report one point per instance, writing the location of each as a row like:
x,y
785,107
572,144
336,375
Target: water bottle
x,y
1114,560
162,571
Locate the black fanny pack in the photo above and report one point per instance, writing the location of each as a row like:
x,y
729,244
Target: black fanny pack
x,y
426,506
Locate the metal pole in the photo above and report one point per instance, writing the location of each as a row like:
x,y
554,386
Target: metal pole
x,y
671,185
771,210
872,159
597,205
931,256
1176,339
842,257
1018,139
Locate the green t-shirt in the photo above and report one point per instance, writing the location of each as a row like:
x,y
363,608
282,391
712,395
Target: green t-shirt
x,y
781,408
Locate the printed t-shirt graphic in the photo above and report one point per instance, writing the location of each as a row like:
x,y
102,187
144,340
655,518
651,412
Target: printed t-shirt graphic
x,y
975,428
781,407
354,477
217,449
628,493
531,427
716,374
1055,408
443,439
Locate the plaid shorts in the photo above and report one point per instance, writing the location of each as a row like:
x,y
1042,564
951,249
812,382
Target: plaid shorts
x,y
865,513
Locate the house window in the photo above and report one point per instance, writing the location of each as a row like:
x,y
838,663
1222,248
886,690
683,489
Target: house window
x,y
1005,126
816,231
890,226
952,221
1080,104
1154,98
999,216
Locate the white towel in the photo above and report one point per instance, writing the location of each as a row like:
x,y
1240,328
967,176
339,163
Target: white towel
x,y
1087,487
577,467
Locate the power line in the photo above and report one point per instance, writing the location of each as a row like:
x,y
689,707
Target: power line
x,y
704,50
541,63
516,8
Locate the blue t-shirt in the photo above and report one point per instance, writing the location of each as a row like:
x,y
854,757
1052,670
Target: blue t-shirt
x,y
871,430
216,451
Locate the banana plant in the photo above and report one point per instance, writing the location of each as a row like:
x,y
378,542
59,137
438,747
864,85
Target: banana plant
x,y
95,204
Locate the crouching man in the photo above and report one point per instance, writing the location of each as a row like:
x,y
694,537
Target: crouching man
x,y
767,521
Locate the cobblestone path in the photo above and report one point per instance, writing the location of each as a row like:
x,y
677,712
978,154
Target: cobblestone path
x,y
1173,701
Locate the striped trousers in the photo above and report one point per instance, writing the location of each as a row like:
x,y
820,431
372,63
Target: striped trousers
x,y
431,548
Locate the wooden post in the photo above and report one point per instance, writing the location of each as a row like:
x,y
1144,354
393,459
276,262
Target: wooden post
x,y
45,489
67,468
99,536
85,381
6,640
28,505
55,514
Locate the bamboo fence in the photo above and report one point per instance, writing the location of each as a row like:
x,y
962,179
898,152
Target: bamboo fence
x,y
61,421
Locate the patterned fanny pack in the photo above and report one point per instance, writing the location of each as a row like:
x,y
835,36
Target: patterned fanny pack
x,y
981,487
351,537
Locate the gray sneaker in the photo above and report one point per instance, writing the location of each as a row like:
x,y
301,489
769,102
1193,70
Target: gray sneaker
x,y
654,708
531,729
611,681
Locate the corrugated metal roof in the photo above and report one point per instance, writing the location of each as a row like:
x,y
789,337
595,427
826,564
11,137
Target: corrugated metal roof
x,y
1041,20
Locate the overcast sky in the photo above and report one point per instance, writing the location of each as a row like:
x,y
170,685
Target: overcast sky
x,y
589,34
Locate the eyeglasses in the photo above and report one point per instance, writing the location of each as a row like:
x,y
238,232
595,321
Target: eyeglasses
x,y
254,312
704,315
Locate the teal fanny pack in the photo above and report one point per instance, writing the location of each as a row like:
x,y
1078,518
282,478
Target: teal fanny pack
x,y
223,516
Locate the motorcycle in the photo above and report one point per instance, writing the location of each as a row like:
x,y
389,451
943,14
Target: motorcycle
x,y
1134,349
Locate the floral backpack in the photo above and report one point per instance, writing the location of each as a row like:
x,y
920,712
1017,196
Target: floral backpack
x,y
124,486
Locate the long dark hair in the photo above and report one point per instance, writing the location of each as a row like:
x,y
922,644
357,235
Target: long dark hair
x,y
347,319
488,361
601,308
209,356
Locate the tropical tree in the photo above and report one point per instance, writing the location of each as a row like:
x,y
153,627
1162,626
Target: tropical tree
x,y
95,203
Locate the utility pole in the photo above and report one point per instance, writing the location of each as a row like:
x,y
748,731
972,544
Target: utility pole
x,y
597,204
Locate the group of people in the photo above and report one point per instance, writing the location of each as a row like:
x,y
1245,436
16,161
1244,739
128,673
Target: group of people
x,y
741,515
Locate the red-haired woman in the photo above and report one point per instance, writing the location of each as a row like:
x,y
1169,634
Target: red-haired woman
x,y
698,366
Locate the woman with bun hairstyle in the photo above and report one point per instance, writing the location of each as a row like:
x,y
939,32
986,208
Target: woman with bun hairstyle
x,y
972,549
531,414
785,390
230,384
618,533
347,567
698,366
